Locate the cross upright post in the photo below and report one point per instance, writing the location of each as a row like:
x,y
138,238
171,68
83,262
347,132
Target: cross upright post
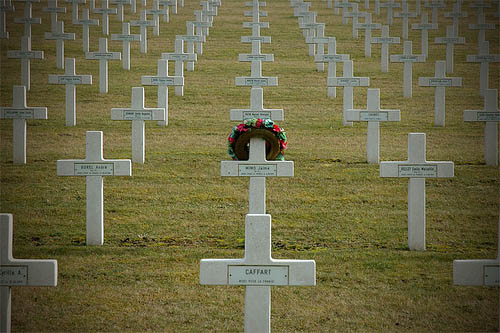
x,y
25,54
179,56
456,15
355,14
120,7
156,12
405,14
332,58
434,5
28,20
103,56
4,8
126,39
390,5
74,9
482,26
60,36
408,58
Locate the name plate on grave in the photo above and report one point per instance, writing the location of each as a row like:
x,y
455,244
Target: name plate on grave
x,y
13,275
347,82
94,169
25,54
435,82
262,39
162,80
258,57
446,40
488,116
373,116
180,57
260,114
415,171
257,170
17,114
258,275
126,38
385,40
492,275
137,115
69,80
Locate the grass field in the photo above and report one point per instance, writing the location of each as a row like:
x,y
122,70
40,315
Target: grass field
x,y
176,209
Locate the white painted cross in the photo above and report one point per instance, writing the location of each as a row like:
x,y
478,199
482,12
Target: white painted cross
x,y
28,20
368,26
163,81
256,109
25,54
424,26
19,112
417,169
484,58
179,56
5,6
74,9
156,12
126,38
482,26
385,40
355,14
434,5
119,4
103,56
137,113
332,58
94,167
440,82
491,115
105,11
85,22
450,40
201,30
60,36
405,14
344,4
309,29
144,23
348,81
390,5
256,79
190,32
53,9
19,272
70,80
408,58
320,40
373,114
456,15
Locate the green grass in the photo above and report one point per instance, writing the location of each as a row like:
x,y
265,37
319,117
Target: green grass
x,y
176,209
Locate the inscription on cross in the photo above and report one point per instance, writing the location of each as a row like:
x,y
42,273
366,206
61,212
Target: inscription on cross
x,y
332,58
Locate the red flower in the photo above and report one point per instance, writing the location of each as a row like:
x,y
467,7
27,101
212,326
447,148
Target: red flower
x,y
258,123
276,128
231,139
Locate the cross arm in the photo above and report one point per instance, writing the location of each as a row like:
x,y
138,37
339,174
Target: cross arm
x,y
440,82
348,81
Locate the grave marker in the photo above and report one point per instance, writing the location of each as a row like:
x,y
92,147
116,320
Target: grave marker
x,y
417,169
482,26
424,26
480,5
156,12
390,5
60,36
310,32
144,23
25,54
456,15
320,42
332,58
256,109
94,167
74,9
405,14
105,11
28,20
103,56
355,14
385,40
53,9
434,5
484,58
368,26
85,22
408,58
19,112
190,43
126,39
70,80
119,6
344,4
179,56
450,40
5,7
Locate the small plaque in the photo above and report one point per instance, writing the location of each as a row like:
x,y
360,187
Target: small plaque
x,y
13,275
488,116
256,82
18,114
137,115
126,38
333,57
257,170
447,40
492,275
435,82
257,114
409,58
348,82
69,79
101,55
258,275
417,171
162,80
178,57
373,116
94,169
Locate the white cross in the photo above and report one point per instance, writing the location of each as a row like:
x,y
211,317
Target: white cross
x,y
103,56
85,22
434,5
255,26
5,7
320,40
137,113
60,36
484,58
368,26
119,4
456,14
94,167
126,38
201,30
440,82
19,112
156,12
385,40
390,5
373,114
481,25
70,80
344,4
74,4
28,20
179,56
491,115
408,58
25,55
256,109
53,9
405,14
417,169
105,11
309,29
163,81
144,24
450,40
480,5
19,272
424,26
190,32
166,7
348,81
133,6
332,58
355,14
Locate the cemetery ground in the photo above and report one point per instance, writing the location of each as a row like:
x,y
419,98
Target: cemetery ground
x,y
176,209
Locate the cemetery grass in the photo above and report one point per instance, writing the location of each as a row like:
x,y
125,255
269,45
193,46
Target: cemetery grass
x,y
176,209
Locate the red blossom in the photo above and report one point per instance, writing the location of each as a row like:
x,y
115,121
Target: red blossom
x,y
276,128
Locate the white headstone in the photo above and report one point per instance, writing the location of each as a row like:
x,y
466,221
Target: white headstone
x,y
355,14
417,169
144,24
368,26
434,5
385,40
19,272
120,6
405,14
19,112
345,5
320,40
5,6
70,80
86,22
126,38
28,20
74,9
94,167
450,40
482,26
484,58
424,26
332,58
60,36
53,9
25,54
105,11
179,56
408,58
390,5
310,29
156,12
456,15
103,56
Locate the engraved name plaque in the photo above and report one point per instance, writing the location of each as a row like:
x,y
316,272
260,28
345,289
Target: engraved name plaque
x,y
373,116
258,275
94,169
417,171
257,170
13,275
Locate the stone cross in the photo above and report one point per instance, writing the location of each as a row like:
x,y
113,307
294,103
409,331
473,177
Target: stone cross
x,y
19,112
450,40
480,5
19,272
28,20
201,29
355,14
103,56
434,5
144,24
408,58
417,169
179,56
478,272
344,4
137,113
332,58
484,58
390,5
25,54
491,116
74,9
405,14
256,109
318,41
440,82
482,26
348,81
70,80
5,6
424,26
191,39
368,26
119,5
85,22
60,36
385,40
309,29
456,15
162,80
94,167
156,12
53,9
126,39
373,114
105,11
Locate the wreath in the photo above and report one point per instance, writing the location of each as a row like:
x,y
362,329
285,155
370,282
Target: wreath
x,y
238,141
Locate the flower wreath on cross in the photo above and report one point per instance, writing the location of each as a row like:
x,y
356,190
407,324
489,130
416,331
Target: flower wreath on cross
x,y
275,137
